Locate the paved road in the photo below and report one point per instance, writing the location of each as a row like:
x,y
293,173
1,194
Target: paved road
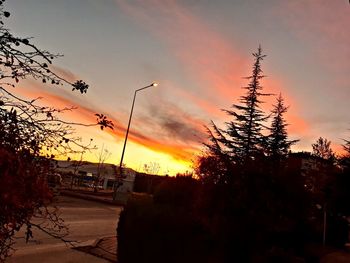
x,y
87,221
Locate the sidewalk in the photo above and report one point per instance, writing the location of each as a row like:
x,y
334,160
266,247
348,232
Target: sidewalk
x,y
105,248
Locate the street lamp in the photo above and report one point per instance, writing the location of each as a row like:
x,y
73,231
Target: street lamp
x,y
154,84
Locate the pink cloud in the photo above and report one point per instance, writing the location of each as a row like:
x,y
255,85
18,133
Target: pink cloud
x,y
171,138
324,25
214,62
206,54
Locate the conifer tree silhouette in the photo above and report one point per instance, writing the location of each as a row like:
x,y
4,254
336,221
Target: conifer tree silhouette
x,y
278,143
346,147
322,148
243,138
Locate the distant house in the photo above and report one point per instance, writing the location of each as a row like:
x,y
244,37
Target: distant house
x,y
86,173
317,172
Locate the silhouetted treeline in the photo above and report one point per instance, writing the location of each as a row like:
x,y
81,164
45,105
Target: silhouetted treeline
x,y
253,200
265,215
145,183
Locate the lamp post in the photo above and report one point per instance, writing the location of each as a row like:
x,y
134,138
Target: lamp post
x,y
154,84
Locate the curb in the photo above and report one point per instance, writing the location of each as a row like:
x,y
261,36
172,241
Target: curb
x,y
91,198
97,250
88,243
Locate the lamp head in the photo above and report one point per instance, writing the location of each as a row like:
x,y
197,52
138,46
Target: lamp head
x,y
154,84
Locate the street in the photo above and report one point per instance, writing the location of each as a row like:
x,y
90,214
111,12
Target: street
x,y
87,221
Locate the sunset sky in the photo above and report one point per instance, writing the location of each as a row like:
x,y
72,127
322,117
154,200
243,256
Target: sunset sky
x,y
199,51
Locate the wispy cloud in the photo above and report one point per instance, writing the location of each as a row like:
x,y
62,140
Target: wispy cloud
x,y
324,25
168,133
64,73
176,124
214,61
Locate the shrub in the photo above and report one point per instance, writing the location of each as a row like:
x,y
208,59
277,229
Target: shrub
x,y
150,232
179,191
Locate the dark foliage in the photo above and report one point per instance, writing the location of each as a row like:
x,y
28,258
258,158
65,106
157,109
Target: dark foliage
x,y
176,192
344,160
190,221
103,121
278,143
147,183
243,139
31,135
264,214
214,168
264,205
346,147
322,148
149,232
25,179
24,190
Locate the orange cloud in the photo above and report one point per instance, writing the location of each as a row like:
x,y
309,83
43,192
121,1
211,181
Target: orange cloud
x,y
178,149
214,62
179,152
208,107
297,125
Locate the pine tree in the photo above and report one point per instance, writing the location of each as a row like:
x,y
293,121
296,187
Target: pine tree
x,y
216,164
346,147
278,143
322,148
344,160
243,136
